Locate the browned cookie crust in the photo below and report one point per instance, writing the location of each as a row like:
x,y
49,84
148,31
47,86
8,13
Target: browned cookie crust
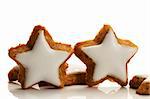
x,y
77,78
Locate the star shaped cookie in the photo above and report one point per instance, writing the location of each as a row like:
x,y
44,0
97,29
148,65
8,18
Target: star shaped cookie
x,y
41,59
106,57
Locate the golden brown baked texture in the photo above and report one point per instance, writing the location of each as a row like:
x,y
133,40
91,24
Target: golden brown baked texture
x,y
77,78
90,64
136,81
144,88
13,74
27,47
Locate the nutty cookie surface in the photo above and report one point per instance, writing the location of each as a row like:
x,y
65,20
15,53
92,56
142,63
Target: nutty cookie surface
x,y
136,81
141,83
144,88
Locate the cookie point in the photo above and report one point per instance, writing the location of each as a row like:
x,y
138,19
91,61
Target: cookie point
x,y
39,27
107,26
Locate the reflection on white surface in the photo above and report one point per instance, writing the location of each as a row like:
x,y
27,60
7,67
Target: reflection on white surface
x,y
75,92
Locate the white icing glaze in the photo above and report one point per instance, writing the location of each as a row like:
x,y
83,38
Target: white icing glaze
x,y
42,62
110,57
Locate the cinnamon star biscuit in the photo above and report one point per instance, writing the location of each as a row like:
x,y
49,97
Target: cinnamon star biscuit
x,y
106,57
41,59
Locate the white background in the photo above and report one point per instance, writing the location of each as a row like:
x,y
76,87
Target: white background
x,y
71,21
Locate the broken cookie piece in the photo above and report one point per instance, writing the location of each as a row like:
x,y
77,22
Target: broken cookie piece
x,y
13,74
144,88
136,81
